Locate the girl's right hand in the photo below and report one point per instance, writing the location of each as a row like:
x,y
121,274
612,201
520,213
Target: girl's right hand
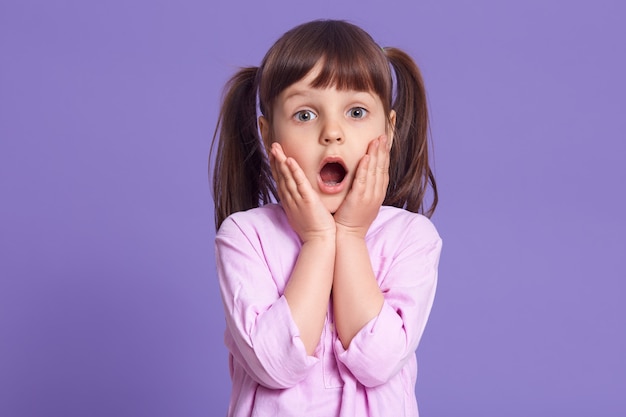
x,y
305,211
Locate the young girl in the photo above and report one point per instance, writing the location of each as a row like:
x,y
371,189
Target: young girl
x,y
326,292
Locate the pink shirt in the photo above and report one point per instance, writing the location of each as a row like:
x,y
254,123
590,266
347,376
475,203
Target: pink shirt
x,y
271,373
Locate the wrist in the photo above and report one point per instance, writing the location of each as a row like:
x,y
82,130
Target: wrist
x,y
324,239
350,232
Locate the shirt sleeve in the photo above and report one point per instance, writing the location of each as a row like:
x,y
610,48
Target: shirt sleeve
x,y
265,339
385,344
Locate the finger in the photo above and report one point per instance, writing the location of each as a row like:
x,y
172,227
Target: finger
x,y
282,172
381,169
359,184
292,176
275,159
374,151
302,183
383,154
297,173
292,170
371,179
277,155
278,152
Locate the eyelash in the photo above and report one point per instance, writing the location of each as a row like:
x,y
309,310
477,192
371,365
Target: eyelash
x,y
301,113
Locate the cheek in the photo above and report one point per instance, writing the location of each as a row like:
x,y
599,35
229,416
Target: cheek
x,y
283,135
294,139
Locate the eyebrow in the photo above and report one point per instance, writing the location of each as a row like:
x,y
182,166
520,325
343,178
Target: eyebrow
x,y
304,93
294,94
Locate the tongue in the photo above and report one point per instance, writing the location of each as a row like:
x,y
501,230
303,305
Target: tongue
x,y
332,173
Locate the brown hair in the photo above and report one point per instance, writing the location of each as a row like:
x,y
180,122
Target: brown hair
x,y
351,60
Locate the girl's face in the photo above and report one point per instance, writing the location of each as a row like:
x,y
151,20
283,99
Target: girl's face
x,y
327,132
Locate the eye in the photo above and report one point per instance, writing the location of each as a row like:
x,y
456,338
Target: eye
x,y
357,112
305,115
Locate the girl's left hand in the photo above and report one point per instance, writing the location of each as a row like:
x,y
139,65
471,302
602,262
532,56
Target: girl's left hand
x,y
369,188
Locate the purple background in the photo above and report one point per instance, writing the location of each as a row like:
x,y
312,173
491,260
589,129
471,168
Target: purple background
x,y
108,298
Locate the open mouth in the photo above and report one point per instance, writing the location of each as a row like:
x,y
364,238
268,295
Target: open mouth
x,y
332,173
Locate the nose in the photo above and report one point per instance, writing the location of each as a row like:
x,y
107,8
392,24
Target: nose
x,y
332,132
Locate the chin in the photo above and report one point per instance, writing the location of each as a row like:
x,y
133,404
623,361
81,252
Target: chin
x,y
333,205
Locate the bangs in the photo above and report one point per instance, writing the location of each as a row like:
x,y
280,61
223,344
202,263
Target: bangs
x,y
349,59
345,72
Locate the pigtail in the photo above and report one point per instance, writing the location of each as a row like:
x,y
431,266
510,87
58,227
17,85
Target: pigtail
x,y
241,177
410,173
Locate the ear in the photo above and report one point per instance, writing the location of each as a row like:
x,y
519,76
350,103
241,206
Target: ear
x,y
264,128
392,127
